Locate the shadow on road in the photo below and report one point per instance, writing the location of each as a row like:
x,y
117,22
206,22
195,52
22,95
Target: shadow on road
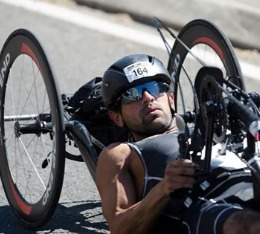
x,y
78,217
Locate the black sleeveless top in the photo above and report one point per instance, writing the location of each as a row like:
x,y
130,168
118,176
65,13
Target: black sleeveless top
x,y
155,152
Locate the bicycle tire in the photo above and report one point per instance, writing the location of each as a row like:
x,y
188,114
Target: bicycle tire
x,y
196,34
28,88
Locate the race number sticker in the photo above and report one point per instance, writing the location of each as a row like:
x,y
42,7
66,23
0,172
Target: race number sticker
x,y
139,70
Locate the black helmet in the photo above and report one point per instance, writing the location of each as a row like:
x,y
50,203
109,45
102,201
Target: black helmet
x,y
131,71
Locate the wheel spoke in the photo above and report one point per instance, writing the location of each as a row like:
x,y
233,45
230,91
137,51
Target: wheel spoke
x,y
33,165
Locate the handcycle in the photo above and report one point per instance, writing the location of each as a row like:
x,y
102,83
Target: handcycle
x,y
38,122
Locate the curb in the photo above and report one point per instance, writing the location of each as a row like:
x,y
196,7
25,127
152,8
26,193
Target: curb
x,y
240,24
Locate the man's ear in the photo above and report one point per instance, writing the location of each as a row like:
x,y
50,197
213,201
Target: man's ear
x,y
116,118
171,100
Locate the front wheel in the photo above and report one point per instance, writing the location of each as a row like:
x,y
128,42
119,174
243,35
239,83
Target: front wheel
x,y
32,141
206,45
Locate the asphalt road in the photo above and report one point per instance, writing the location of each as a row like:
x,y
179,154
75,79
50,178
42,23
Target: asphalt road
x,y
77,53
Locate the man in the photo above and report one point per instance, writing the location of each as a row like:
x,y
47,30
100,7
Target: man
x,y
139,182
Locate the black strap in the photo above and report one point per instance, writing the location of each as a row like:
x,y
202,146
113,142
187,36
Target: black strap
x,y
207,188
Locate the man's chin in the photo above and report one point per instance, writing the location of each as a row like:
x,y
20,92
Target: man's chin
x,y
156,128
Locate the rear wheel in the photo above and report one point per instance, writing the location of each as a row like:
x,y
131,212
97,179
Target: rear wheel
x,y
32,141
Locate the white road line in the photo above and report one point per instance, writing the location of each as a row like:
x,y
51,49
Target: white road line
x,y
110,28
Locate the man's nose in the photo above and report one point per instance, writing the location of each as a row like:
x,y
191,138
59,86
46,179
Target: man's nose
x,y
147,97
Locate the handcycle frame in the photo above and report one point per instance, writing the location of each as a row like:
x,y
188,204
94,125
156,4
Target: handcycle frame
x,y
58,125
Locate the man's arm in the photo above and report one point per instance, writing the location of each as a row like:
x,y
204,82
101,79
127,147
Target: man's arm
x,y
119,195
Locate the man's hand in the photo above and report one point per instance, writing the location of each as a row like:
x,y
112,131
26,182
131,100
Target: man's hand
x,y
178,175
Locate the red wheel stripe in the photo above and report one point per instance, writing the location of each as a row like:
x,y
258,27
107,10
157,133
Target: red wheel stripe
x,y
212,43
26,50
24,207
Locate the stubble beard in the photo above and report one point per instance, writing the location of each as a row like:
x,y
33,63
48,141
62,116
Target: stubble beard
x,y
152,125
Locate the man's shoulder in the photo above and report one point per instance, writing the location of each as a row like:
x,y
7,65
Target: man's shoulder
x,y
116,151
116,146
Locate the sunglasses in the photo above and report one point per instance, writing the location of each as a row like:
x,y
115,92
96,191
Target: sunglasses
x,y
154,88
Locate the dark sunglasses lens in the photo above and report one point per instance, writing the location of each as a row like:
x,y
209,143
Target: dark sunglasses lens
x,y
136,93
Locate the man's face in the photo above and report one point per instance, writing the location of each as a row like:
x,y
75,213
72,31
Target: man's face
x,y
149,115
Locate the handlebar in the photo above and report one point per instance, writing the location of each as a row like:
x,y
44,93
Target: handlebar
x,y
250,119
